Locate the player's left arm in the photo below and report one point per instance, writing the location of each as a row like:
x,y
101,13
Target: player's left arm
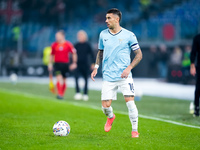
x,y
137,58
74,58
135,62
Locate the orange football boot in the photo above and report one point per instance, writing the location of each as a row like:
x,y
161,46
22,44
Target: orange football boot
x,y
109,123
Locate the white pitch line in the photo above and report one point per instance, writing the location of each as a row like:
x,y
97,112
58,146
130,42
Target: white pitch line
x,y
169,121
98,108
141,116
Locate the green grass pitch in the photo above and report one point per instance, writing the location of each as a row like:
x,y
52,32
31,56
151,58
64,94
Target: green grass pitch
x,y
28,112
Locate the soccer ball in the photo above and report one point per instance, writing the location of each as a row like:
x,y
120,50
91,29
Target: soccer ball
x,y
61,128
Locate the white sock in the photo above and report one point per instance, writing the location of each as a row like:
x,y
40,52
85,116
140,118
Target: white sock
x,y
133,114
108,111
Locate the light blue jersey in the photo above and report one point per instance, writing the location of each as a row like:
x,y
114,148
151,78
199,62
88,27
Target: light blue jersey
x,y
116,52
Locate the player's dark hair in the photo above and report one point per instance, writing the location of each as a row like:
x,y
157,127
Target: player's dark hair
x,y
116,12
62,32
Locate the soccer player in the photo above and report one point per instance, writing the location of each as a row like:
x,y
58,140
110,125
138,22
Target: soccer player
x,y
115,45
195,70
61,50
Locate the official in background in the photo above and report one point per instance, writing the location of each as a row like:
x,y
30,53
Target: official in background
x,y
60,55
85,63
195,70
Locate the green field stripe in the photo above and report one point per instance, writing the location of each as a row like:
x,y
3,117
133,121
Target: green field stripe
x,y
97,108
145,117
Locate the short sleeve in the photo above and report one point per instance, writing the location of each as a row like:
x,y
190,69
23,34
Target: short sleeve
x,y
72,49
53,49
100,44
133,42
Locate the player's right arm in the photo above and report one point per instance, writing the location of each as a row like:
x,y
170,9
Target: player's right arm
x,y
50,65
99,57
98,62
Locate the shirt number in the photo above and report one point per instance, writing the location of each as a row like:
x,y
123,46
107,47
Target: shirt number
x,y
131,87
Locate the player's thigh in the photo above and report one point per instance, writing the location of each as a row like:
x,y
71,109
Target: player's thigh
x,y
109,91
84,70
76,73
57,69
65,70
198,77
127,88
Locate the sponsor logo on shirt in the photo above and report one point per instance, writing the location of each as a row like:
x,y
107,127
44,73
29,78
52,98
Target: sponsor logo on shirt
x,y
60,48
120,40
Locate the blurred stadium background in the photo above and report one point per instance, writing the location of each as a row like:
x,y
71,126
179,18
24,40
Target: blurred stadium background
x,y
164,29
163,84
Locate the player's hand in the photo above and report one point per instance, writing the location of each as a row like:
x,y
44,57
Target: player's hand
x,y
50,67
73,66
193,70
126,72
93,74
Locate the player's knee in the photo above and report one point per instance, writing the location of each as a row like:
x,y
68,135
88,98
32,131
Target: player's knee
x,y
106,103
129,98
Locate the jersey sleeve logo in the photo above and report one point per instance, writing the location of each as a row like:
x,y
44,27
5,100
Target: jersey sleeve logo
x,y
105,40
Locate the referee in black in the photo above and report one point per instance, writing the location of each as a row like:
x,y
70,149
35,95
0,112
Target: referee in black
x,y
195,70
85,53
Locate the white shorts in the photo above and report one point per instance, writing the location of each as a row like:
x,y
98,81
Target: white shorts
x,y
109,89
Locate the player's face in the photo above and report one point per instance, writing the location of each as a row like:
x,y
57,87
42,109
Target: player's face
x,y
81,37
111,20
59,37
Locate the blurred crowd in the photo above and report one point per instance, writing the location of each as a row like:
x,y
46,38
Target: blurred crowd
x,y
44,11
166,63
41,18
60,11
163,62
